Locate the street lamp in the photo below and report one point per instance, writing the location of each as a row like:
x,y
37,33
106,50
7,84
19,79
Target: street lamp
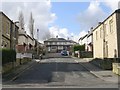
x,y
37,40
15,36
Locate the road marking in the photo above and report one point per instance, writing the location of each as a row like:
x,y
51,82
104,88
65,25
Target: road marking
x,y
76,61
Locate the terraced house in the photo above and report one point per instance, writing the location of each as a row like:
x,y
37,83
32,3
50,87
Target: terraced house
x,y
9,32
106,37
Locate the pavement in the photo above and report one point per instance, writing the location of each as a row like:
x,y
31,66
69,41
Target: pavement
x,y
106,75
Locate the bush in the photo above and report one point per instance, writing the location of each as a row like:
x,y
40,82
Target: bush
x,y
79,48
105,63
86,54
8,55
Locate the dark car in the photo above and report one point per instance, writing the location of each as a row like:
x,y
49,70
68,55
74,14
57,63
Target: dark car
x,y
64,53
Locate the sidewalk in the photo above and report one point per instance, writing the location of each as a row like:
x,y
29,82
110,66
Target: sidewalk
x,y
17,71
106,75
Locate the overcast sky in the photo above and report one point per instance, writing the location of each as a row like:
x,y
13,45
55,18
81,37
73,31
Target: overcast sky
x,y
65,19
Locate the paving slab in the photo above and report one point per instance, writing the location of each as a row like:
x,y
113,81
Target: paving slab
x,y
106,75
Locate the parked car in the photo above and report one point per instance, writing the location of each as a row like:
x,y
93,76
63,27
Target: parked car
x,y
64,53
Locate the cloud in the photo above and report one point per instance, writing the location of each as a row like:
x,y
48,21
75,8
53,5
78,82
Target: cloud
x,y
0,6
77,37
90,17
43,17
64,33
82,33
94,14
60,32
112,4
41,13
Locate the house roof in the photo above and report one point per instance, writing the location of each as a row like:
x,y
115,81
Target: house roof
x,y
8,18
29,37
59,39
56,39
89,34
116,11
83,37
23,35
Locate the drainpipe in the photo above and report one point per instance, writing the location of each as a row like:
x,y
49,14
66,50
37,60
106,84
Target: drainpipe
x,y
11,36
37,41
103,41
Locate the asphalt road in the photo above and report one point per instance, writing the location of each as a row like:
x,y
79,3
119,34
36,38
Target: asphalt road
x,y
58,72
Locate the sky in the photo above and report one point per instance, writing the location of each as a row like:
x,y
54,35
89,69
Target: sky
x,y
63,19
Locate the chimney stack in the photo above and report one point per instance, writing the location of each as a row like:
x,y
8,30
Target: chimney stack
x,y
57,37
99,23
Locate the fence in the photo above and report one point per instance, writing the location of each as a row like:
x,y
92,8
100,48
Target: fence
x,y
23,55
83,54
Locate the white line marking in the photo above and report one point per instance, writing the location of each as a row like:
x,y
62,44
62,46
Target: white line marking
x,y
76,61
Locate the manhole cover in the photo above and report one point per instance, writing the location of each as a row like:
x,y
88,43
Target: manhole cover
x,y
75,70
107,75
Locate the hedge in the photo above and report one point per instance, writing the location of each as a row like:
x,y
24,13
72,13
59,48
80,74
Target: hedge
x,y
8,55
105,63
79,48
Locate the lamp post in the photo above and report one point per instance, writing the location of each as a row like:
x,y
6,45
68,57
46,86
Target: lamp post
x,y
12,37
15,36
37,41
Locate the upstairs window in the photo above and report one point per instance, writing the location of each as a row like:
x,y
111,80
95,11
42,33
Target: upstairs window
x,y
106,29
111,25
96,35
7,28
101,32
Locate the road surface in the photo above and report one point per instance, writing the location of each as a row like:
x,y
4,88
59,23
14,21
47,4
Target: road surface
x,y
59,72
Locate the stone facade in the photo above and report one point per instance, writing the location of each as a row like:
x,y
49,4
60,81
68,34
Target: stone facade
x,y
9,32
58,44
106,36
87,40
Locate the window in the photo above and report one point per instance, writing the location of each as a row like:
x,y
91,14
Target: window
x,y
96,35
68,43
48,43
61,43
53,47
106,30
111,25
57,43
53,43
101,32
7,28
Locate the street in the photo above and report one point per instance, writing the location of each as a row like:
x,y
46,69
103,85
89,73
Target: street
x,y
59,72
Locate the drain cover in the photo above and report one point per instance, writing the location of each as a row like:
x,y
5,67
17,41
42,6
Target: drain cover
x,y
107,75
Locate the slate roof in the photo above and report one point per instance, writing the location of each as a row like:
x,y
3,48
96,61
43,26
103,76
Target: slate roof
x,y
59,39
56,39
116,11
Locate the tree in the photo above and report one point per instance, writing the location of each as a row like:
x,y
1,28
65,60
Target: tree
x,y
31,24
21,21
79,48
